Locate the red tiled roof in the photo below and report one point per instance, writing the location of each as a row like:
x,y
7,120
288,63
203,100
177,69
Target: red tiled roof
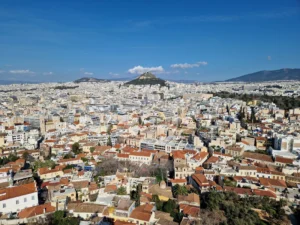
x,y
16,191
36,210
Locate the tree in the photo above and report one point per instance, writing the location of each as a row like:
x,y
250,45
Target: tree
x,y
58,216
12,157
121,191
179,190
47,163
25,155
169,206
227,109
76,148
68,167
109,141
85,160
68,156
109,128
92,149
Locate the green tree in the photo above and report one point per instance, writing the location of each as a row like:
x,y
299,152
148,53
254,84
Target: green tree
x,y
47,163
179,190
227,109
58,216
76,148
121,191
140,121
109,128
12,157
109,143
85,160
92,149
25,155
169,206
68,156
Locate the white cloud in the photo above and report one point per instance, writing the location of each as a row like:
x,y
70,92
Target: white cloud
x,y
114,74
269,58
88,73
21,72
140,69
188,66
48,73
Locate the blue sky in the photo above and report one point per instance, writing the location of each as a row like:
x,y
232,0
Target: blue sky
x,y
179,39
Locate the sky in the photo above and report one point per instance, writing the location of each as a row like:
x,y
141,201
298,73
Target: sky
x,y
204,40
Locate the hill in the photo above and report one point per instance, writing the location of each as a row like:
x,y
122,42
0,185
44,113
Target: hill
x,y
147,79
90,79
269,75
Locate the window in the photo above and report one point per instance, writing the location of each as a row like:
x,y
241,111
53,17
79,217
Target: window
x,y
32,197
4,205
17,202
25,199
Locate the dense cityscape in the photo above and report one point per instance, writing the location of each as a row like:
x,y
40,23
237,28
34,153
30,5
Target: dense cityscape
x,y
149,112
112,153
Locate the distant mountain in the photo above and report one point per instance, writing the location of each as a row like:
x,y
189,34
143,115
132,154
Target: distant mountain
x,y
147,79
90,79
269,75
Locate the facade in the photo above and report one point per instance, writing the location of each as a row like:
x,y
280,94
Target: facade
x,y
17,198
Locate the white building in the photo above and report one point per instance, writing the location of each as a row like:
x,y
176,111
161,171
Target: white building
x,y
14,199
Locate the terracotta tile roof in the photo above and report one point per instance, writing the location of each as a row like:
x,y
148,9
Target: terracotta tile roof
x,y
200,155
36,210
122,155
16,191
257,156
200,179
239,191
110,188
178,154
178,181
192,211
267,182
142,212
264,193
212,159
247,167
93,186
145,154
283,160
80,184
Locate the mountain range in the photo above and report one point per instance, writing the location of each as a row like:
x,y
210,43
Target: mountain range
x,y
149,78
269,75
